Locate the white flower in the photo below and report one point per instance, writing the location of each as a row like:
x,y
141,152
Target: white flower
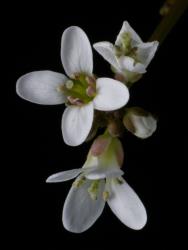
x,y
129,56
82,92
100,181
140,122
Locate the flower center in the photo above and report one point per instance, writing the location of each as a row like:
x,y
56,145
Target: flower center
x,y
93,190
125,48
80,90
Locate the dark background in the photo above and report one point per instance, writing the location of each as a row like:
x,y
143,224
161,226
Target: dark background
x,y
37,149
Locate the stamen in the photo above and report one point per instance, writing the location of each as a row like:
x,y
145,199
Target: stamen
x,y
69,84
79,182
93,189
90,80
126,42
106,192
91,91
75,101
106,195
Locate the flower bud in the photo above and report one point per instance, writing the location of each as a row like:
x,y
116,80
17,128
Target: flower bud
x,y
139,122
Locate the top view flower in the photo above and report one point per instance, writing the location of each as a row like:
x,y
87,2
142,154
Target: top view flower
x,y
81,92
130,56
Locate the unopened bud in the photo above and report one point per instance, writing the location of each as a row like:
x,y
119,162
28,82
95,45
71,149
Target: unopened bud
x,y
139,122
165,9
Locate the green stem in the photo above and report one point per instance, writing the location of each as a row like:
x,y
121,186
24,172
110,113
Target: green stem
x,y
169,21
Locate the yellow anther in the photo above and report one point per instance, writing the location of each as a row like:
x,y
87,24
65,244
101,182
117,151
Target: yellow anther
x,y
93,189
69,84
106,195
79,182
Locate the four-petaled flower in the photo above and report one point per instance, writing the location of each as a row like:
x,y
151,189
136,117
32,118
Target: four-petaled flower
x,y
82,92
130,56
100,181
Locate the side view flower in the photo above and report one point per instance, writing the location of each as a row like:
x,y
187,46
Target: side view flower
x,y
81,92
100,181
130,56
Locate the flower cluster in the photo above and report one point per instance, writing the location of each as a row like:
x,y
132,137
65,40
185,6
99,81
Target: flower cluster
x,y
96,102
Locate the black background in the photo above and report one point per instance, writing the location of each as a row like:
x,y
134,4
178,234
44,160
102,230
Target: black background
x,y
37,147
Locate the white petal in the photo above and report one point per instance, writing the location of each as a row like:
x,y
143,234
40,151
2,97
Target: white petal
x,y
76,52
104,172
106,50
41,87
128,63
146,51
127,206
77,123
64,176
80,211
111,94
144,126
127,28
